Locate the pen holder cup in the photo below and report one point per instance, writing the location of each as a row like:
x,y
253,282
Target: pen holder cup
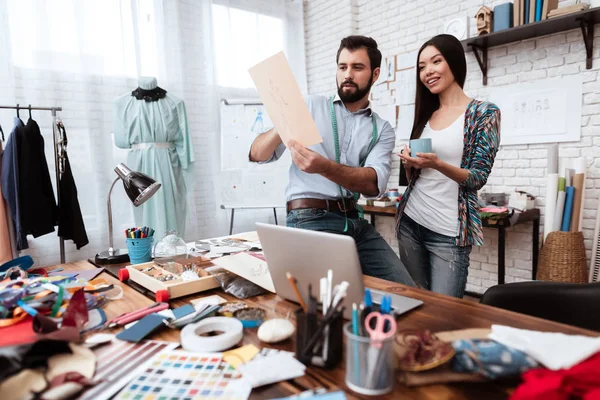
x,y
140,249
370,364
328,348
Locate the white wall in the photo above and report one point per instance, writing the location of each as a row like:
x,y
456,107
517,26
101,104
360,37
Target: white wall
x,y
402,25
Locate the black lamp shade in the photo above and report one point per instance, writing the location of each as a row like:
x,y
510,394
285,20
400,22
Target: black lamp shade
x,y
138,186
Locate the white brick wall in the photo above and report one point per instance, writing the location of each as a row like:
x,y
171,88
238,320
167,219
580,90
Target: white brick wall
x,y
87,114
401,25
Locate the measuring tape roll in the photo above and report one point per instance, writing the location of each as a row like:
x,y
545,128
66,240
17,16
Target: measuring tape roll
x,y
192,339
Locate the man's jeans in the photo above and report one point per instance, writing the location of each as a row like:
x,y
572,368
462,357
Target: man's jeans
x,y
434,261
376,257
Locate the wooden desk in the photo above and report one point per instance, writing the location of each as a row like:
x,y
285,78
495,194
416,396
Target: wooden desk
x,y
438,313
524,217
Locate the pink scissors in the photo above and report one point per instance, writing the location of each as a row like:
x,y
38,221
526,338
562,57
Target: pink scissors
x,y
379,334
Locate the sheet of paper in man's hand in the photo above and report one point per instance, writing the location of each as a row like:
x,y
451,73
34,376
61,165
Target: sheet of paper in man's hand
x,y
285,105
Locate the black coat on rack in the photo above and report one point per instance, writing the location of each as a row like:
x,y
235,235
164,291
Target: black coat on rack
x,y
39,212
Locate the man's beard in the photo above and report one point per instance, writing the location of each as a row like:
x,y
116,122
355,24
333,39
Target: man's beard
x,y
357,95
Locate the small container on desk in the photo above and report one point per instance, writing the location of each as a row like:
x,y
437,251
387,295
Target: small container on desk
x,y
140,249
316,345
370,363
168,282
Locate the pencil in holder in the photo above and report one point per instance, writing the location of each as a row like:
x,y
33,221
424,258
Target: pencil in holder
x,y
316,345
370,363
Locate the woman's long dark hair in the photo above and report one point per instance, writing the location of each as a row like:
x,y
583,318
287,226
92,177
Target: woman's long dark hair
x,y
426,102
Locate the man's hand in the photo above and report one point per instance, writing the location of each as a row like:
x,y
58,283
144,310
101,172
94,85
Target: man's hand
x,y
307,160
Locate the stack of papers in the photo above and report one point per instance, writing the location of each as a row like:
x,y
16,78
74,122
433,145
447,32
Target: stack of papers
x,y
275,368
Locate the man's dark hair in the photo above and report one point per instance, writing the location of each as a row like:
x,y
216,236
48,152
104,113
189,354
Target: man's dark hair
x,y
357,42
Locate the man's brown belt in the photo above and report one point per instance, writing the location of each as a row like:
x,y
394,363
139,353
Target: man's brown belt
x,y
330,205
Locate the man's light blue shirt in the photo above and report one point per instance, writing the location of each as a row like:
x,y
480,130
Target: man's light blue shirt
x,y
355,130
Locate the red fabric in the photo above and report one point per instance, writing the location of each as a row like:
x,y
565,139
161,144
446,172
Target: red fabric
x,y
581,382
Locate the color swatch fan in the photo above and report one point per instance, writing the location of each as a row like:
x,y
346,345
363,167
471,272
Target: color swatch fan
x,y
185,375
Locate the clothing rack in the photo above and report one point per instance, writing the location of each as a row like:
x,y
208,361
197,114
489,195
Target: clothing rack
x,y
56,156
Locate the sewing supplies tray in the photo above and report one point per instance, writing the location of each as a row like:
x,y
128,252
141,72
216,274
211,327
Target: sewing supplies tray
x,y
173,278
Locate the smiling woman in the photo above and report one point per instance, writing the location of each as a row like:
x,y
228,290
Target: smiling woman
x,y
434,244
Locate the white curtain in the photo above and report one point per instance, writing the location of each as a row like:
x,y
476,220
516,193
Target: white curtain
x,y
81,55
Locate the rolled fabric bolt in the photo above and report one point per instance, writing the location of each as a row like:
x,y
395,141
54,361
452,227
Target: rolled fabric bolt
x,y
560,207
551,193
552,166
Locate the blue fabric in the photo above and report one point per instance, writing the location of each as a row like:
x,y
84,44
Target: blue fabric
x,y
433,260
163,121
10,182
355,134
376,257
490,359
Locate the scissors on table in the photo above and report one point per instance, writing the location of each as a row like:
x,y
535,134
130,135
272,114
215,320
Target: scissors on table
x,y
384,328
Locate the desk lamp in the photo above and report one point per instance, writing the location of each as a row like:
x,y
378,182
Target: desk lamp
x,y
139,187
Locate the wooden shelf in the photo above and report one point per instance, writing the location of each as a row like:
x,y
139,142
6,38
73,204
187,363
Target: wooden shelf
x,y
584,20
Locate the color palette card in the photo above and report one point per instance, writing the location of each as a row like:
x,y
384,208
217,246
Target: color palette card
x,y
181,375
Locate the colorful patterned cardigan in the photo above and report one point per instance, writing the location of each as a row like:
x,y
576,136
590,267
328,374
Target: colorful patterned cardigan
x,y
481,142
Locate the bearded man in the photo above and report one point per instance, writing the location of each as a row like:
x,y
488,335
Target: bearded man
x,y
354,158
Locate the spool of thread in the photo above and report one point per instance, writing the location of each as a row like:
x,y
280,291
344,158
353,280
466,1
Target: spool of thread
x,y
192,339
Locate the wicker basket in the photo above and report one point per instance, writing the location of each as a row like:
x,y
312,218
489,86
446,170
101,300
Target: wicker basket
x,y
562,259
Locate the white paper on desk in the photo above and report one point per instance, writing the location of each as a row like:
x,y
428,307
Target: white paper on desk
x,y
246,236
272,369
250,266
283,100
554,350
225,249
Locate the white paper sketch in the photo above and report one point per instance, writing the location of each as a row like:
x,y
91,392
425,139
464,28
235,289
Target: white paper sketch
x,y
406,86
283,100
383,73
406,60
248,266
546,111
387,70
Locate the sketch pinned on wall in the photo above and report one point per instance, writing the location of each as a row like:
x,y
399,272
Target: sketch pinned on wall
x,y
406,60
387,70
405,87
387,113
377,91
406,116
546,111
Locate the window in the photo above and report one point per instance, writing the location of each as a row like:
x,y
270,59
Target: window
x,y
241,40
105,37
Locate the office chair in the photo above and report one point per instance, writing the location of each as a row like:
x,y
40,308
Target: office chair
x,y
575,304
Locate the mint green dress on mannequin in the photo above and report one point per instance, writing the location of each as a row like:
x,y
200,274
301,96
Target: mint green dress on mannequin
x,y
153,124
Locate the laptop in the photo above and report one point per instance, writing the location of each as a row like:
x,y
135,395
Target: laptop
x,y
307,255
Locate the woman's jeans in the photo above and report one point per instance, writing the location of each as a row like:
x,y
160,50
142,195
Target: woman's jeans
x,y
433,260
